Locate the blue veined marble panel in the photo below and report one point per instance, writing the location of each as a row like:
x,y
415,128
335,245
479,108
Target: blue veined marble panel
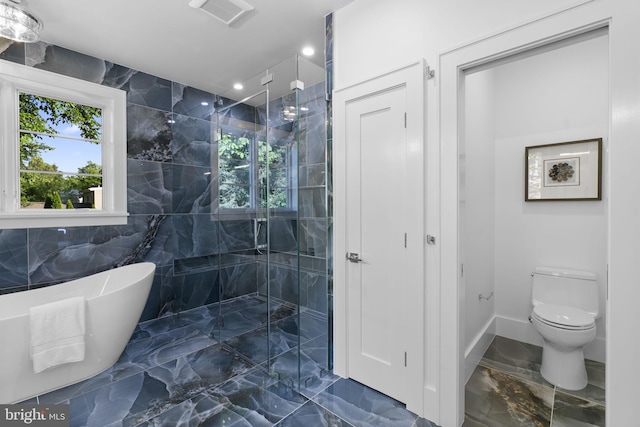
x,y
283,283
313,237
257,394
195,290
363,406
191,189
236,258
253,399
14,269
328,40
148,134
311,414
313,291
117,76
149,187
196,264
312,202
195,235
242,112
318,352
12,51
59,60
313,99
316,175
149,91
236,235
191,141
138,398
238,280
294,365
61,254
193,102
258,345
162,297
313,136
283,234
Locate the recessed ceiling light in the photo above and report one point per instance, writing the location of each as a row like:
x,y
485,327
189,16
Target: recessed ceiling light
x,y
204,103
237,86
308,51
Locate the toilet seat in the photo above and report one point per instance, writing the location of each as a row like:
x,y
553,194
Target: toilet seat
x,y
563,317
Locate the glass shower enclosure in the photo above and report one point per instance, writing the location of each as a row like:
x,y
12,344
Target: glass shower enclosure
x,y
270,156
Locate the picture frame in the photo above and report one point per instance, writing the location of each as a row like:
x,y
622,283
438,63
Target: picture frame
x,y
564,171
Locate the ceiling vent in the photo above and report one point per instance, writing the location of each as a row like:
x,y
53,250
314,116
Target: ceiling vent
x,y
226,11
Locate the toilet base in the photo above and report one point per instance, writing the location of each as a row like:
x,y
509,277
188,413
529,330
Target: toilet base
x,y
564,367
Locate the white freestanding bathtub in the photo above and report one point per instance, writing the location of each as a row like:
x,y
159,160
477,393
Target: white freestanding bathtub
x,y
114,303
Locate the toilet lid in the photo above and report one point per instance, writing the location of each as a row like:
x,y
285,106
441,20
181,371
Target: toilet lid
x,y
563,316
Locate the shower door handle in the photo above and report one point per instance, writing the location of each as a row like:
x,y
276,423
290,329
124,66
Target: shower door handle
x,y
353,257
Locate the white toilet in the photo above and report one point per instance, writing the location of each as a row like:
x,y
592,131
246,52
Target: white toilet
x,y
565,307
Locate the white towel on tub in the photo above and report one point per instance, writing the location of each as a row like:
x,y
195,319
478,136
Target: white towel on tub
x,y
57,333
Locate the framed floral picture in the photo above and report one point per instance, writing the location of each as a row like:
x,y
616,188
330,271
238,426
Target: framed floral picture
x,y
564,171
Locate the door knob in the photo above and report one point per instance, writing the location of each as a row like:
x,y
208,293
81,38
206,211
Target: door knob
x,y
353,257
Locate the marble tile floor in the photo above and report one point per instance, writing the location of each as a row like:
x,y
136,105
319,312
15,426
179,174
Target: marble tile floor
x,y
506,389
211,366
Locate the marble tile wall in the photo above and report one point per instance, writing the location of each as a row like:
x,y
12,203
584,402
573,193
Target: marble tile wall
x,y
200,257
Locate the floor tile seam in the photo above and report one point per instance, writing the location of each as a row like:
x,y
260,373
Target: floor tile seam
x,y
553,406
236,352
488,366
306,340
330,411
150,366
156,336
308,395
244,332
306,401
568,393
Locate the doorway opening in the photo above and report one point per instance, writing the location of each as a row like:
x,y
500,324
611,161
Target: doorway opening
x,y
552,94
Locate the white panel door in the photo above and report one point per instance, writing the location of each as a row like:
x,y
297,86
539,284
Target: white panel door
x,y
376,232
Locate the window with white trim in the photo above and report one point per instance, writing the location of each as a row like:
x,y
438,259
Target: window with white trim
x,y
63,146
252,173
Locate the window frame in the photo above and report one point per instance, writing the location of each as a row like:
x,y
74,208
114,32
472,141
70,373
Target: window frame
x,y
16,78
254,164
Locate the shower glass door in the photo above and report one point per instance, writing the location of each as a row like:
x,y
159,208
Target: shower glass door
x,y
264,194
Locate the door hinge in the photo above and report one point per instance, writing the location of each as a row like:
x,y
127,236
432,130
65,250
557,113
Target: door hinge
x,y
405,240
405,120
405,359
429,72
461,270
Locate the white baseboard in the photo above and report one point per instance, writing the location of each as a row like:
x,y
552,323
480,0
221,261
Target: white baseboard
x,y
478,347
522,330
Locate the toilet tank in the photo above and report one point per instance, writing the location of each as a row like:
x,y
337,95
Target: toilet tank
x,y
571,288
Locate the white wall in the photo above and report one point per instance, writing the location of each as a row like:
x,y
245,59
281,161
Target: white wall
x,y
557,96
539,99
477,213
375,36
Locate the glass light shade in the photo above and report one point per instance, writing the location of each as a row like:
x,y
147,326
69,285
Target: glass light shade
x,y
18,25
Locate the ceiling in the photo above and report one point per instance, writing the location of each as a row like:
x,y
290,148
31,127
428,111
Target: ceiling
x,y
172,40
